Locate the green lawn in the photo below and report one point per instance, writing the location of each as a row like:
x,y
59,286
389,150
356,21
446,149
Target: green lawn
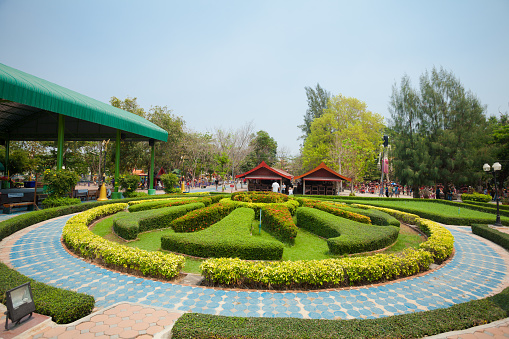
x,y
307,246
427,206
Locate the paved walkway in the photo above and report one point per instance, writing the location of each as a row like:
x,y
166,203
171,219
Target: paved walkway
x,y
478,269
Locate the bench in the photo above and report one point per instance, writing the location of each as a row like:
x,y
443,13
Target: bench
x,y
81,194
14,200
92,194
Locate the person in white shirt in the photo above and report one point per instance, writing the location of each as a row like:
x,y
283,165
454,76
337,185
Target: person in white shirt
x,y
275,187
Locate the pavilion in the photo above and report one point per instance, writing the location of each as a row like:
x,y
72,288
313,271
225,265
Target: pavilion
x,y
262,176
320,181
35,109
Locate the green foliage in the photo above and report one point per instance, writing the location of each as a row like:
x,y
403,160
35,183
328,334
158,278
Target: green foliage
x,y
345,236
135,194
264,148
60,182
346,137
317,103
62,305
229,237
291,205
129,225
160,203
129,182
438,132
80,239
412,325
339,211
478,197
277,220
259,197
202,218
55,201
377,217
170,180
492,234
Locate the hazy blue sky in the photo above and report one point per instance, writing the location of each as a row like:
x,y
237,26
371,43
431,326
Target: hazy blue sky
x,y
225,63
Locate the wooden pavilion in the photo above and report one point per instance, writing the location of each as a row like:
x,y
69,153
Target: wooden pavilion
x,y
320,181
263,176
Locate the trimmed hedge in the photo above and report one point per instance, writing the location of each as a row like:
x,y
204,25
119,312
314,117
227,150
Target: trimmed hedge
x,y
314,274
231,237
154,204
336,210
476,197
259,197
377,217
79,238
129,225
345,236
201,218
332,272
277,220
14,224
412,325
61,305
492,234
291,204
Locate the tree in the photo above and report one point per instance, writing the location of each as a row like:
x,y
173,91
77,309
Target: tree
x,y
501,146
235,144
439,132
317,103
263,148
345,137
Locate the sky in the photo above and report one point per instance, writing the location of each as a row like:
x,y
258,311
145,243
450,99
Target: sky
x,y
223,64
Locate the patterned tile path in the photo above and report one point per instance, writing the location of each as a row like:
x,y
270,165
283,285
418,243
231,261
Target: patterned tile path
x,y
478,269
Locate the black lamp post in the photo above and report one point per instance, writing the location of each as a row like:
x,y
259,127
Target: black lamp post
x,y
496,167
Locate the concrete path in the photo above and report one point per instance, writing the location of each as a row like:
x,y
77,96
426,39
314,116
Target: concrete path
x,y
478,269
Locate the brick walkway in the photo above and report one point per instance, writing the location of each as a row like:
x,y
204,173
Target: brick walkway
x,y
478,269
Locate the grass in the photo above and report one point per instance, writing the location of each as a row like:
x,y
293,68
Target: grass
x,y
307,245
427,206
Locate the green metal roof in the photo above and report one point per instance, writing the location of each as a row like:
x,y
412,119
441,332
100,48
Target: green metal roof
x,y
29,108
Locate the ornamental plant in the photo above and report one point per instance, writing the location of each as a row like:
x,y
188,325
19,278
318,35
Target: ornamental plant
x,y
170,180
279,222
129,182
476,197
60,182
259,197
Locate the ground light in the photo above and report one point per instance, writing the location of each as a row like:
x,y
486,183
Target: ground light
x,y
496,167
19,303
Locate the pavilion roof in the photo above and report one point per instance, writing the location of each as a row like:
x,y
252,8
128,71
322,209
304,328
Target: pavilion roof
x,y
322,173
265,172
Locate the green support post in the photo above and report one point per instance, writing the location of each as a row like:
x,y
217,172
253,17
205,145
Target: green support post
x,y
60,142
7,145
151,190
116,194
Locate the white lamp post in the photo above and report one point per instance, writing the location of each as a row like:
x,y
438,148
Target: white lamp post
x,y
496,167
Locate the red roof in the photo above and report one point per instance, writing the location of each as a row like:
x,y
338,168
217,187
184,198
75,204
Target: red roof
x,y
264,171
322,173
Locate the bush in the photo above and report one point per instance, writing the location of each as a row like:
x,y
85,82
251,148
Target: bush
x,y
169,181
478,197
230,237
291,204
135,194
314,274
492,234
277,220
259,197
377,217
345,236
62,305
54,201
129,182
80,239
60,182
202,218
336,210
154,204
129,225
412,325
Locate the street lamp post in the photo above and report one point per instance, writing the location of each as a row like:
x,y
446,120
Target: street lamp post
x,y
496,167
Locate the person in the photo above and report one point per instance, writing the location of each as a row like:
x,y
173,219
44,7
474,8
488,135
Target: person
x,y
275,187
283,188
290,190
216,182
437,193
387,191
